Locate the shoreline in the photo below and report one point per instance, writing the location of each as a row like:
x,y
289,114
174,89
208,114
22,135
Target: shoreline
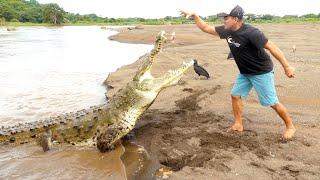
x,y
161,23
185,127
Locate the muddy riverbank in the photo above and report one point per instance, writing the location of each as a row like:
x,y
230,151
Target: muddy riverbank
x,y
185,129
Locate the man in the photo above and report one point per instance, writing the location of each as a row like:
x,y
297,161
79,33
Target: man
x,y
248,45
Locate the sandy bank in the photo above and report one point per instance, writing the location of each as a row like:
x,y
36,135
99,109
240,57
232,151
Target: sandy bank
x,y
185,127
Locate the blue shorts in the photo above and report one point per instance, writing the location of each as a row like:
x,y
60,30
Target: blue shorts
x,y
263,84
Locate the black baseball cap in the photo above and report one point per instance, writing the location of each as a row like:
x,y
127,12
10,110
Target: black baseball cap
x,y
237,11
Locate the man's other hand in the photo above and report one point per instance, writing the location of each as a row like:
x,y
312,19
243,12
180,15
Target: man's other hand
x,y
290,71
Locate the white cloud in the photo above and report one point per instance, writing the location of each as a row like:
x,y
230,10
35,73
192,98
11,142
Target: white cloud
x,y
162,8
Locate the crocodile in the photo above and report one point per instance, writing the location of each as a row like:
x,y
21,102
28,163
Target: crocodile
x,y
105,124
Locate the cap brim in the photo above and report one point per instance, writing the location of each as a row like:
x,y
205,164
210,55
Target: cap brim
x,y
223,15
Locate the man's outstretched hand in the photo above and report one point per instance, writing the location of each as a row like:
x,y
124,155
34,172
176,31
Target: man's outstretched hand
x,y
186,14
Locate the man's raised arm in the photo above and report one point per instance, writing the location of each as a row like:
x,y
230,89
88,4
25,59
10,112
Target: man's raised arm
x,y
199,22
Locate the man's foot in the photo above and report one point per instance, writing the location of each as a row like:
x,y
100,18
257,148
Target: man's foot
x,y
236,127
289,133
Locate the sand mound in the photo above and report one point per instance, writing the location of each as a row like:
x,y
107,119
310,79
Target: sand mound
x,y
185,138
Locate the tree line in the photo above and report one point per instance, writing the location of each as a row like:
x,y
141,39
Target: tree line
x,y
34,12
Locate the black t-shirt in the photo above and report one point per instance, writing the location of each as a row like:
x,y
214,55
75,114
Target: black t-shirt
x,y
246,45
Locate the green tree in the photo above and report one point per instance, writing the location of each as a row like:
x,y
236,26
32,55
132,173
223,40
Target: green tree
x,y
53,14
251,17
212,18
309,16
267,17
168,18
141,20
112,20
290,16
6,11
33,2
90,17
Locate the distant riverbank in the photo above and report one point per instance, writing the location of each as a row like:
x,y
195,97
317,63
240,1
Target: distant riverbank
x,y
160,22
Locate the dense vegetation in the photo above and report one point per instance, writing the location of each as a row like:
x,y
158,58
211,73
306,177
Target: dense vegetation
x,y
30,11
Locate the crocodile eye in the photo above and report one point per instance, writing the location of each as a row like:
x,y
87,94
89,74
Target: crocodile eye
x,y
12,139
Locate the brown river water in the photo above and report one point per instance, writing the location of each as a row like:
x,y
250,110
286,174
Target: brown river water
x,y
68,162
45,72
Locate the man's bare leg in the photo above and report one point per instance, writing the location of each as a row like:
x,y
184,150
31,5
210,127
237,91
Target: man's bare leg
x,y
237,107
283,113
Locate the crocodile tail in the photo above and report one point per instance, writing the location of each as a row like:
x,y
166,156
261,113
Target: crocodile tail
x,y
70,128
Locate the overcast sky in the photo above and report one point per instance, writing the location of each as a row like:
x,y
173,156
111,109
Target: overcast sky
x,y
162,8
